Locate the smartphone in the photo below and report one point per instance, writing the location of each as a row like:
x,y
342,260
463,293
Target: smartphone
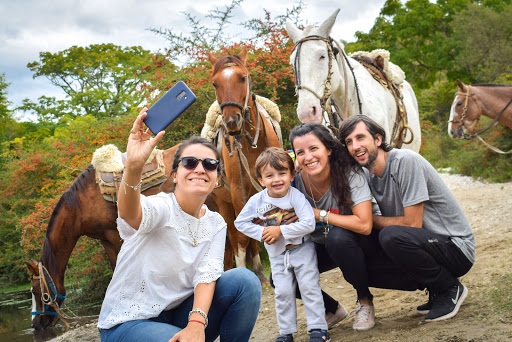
x,y
169,107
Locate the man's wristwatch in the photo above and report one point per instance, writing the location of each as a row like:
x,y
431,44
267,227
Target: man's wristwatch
x,y
322,215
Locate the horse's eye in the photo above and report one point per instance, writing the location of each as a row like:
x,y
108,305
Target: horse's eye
x,y
459,104
214,85
243,78
322,57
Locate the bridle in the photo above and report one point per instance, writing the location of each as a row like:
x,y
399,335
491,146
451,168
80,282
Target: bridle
x,y
49,297
471,128
49,294
332,52
246,111
238,136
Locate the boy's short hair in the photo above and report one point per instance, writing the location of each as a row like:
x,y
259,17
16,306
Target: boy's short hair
x,y
277,158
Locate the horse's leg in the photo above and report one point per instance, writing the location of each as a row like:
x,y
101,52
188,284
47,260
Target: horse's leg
x,y
257,267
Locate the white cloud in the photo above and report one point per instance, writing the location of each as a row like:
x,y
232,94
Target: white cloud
x,y
30,27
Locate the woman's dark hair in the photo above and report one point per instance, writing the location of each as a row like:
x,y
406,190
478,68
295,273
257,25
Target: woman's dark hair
x,y
195,140
339,161
348,126
277,158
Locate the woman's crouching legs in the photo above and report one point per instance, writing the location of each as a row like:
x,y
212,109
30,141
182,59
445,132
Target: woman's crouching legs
x,y
235,306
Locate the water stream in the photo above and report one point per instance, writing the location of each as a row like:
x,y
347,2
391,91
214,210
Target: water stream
x,y
15,319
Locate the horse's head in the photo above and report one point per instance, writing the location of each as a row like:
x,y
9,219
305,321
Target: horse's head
x,y
232,84
43,312
464,113
312,61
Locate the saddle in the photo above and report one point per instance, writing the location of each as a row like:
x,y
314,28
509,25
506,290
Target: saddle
x,y
375,65
108,162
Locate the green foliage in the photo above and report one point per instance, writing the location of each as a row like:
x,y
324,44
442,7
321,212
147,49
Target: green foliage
x,y
100,80
483,53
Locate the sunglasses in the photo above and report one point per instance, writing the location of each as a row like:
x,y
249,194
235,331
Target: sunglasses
x,y
190,163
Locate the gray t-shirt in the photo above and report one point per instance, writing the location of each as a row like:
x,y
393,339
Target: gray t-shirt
x,y
409,179
359,192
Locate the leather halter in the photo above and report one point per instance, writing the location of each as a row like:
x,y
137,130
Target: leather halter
x,y
462,120
246,111
49,294
471,127
325,99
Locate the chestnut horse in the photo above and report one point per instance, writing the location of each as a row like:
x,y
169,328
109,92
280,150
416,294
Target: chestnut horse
x,y
473,101
245,133
81,211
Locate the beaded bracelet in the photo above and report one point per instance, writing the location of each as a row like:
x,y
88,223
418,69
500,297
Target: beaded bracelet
x,y
201,312
136,187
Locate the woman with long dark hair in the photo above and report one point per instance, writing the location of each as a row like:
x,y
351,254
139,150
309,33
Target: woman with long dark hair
x,y
340,196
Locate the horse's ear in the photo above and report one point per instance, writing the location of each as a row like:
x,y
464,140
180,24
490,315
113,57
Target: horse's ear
x,y
461,85
32,266
292,30
325,29
212,58
243,55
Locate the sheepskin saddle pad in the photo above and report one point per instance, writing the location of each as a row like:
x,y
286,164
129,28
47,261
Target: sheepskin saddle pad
x,y
378,61
108,162
214,118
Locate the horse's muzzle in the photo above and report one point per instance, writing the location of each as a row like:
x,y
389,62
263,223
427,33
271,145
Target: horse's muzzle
x,y
233,125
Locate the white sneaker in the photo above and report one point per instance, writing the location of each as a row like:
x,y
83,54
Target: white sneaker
x,y
365,317
334,318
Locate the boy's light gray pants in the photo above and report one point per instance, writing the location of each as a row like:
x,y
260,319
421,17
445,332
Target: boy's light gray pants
x,y
298,267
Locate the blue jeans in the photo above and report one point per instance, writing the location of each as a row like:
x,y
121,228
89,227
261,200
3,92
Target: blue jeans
x,y
232,315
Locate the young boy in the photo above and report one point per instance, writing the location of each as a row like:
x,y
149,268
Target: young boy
x,y
292,255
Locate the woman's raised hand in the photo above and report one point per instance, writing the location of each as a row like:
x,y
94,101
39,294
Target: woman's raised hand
x,y
140,143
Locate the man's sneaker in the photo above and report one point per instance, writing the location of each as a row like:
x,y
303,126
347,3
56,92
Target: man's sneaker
x,y
423,309
365,317
334,318
285,338
318,335
446,304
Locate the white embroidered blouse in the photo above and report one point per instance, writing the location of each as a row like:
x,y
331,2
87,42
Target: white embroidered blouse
x,y
158,266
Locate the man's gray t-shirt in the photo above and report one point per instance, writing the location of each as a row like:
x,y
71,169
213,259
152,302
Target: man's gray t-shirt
x,y
409,179
359,192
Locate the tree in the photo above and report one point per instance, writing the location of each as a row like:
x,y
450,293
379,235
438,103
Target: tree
x,y
483,53
100,80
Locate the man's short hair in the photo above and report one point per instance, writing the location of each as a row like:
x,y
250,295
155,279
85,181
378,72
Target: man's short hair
x,y
348,126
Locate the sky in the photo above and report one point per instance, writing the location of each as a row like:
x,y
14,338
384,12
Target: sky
x,y
28,27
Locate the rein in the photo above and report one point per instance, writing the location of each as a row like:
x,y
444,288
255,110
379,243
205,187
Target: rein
x,y
477,134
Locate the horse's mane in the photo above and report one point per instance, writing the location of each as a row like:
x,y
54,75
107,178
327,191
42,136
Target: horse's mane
x,y
70,198
490,85
227,60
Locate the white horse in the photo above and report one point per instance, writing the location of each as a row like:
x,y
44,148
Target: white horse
x,y
315,57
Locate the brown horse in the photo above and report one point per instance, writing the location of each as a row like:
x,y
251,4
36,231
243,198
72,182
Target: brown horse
x,y
473,101
245,133
81,210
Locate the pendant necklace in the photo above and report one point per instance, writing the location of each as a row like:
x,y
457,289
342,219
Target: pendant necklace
x,y
326,226
194,238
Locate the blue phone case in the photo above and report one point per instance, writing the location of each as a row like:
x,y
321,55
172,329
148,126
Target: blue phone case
x,y
169,107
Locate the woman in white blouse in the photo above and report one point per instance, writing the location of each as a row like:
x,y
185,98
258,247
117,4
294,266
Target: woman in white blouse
x,y
169,284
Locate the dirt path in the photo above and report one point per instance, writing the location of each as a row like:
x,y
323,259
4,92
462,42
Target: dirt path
x,y
489,210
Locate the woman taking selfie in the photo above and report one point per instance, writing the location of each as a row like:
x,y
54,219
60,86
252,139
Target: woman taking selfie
x,y
169,284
